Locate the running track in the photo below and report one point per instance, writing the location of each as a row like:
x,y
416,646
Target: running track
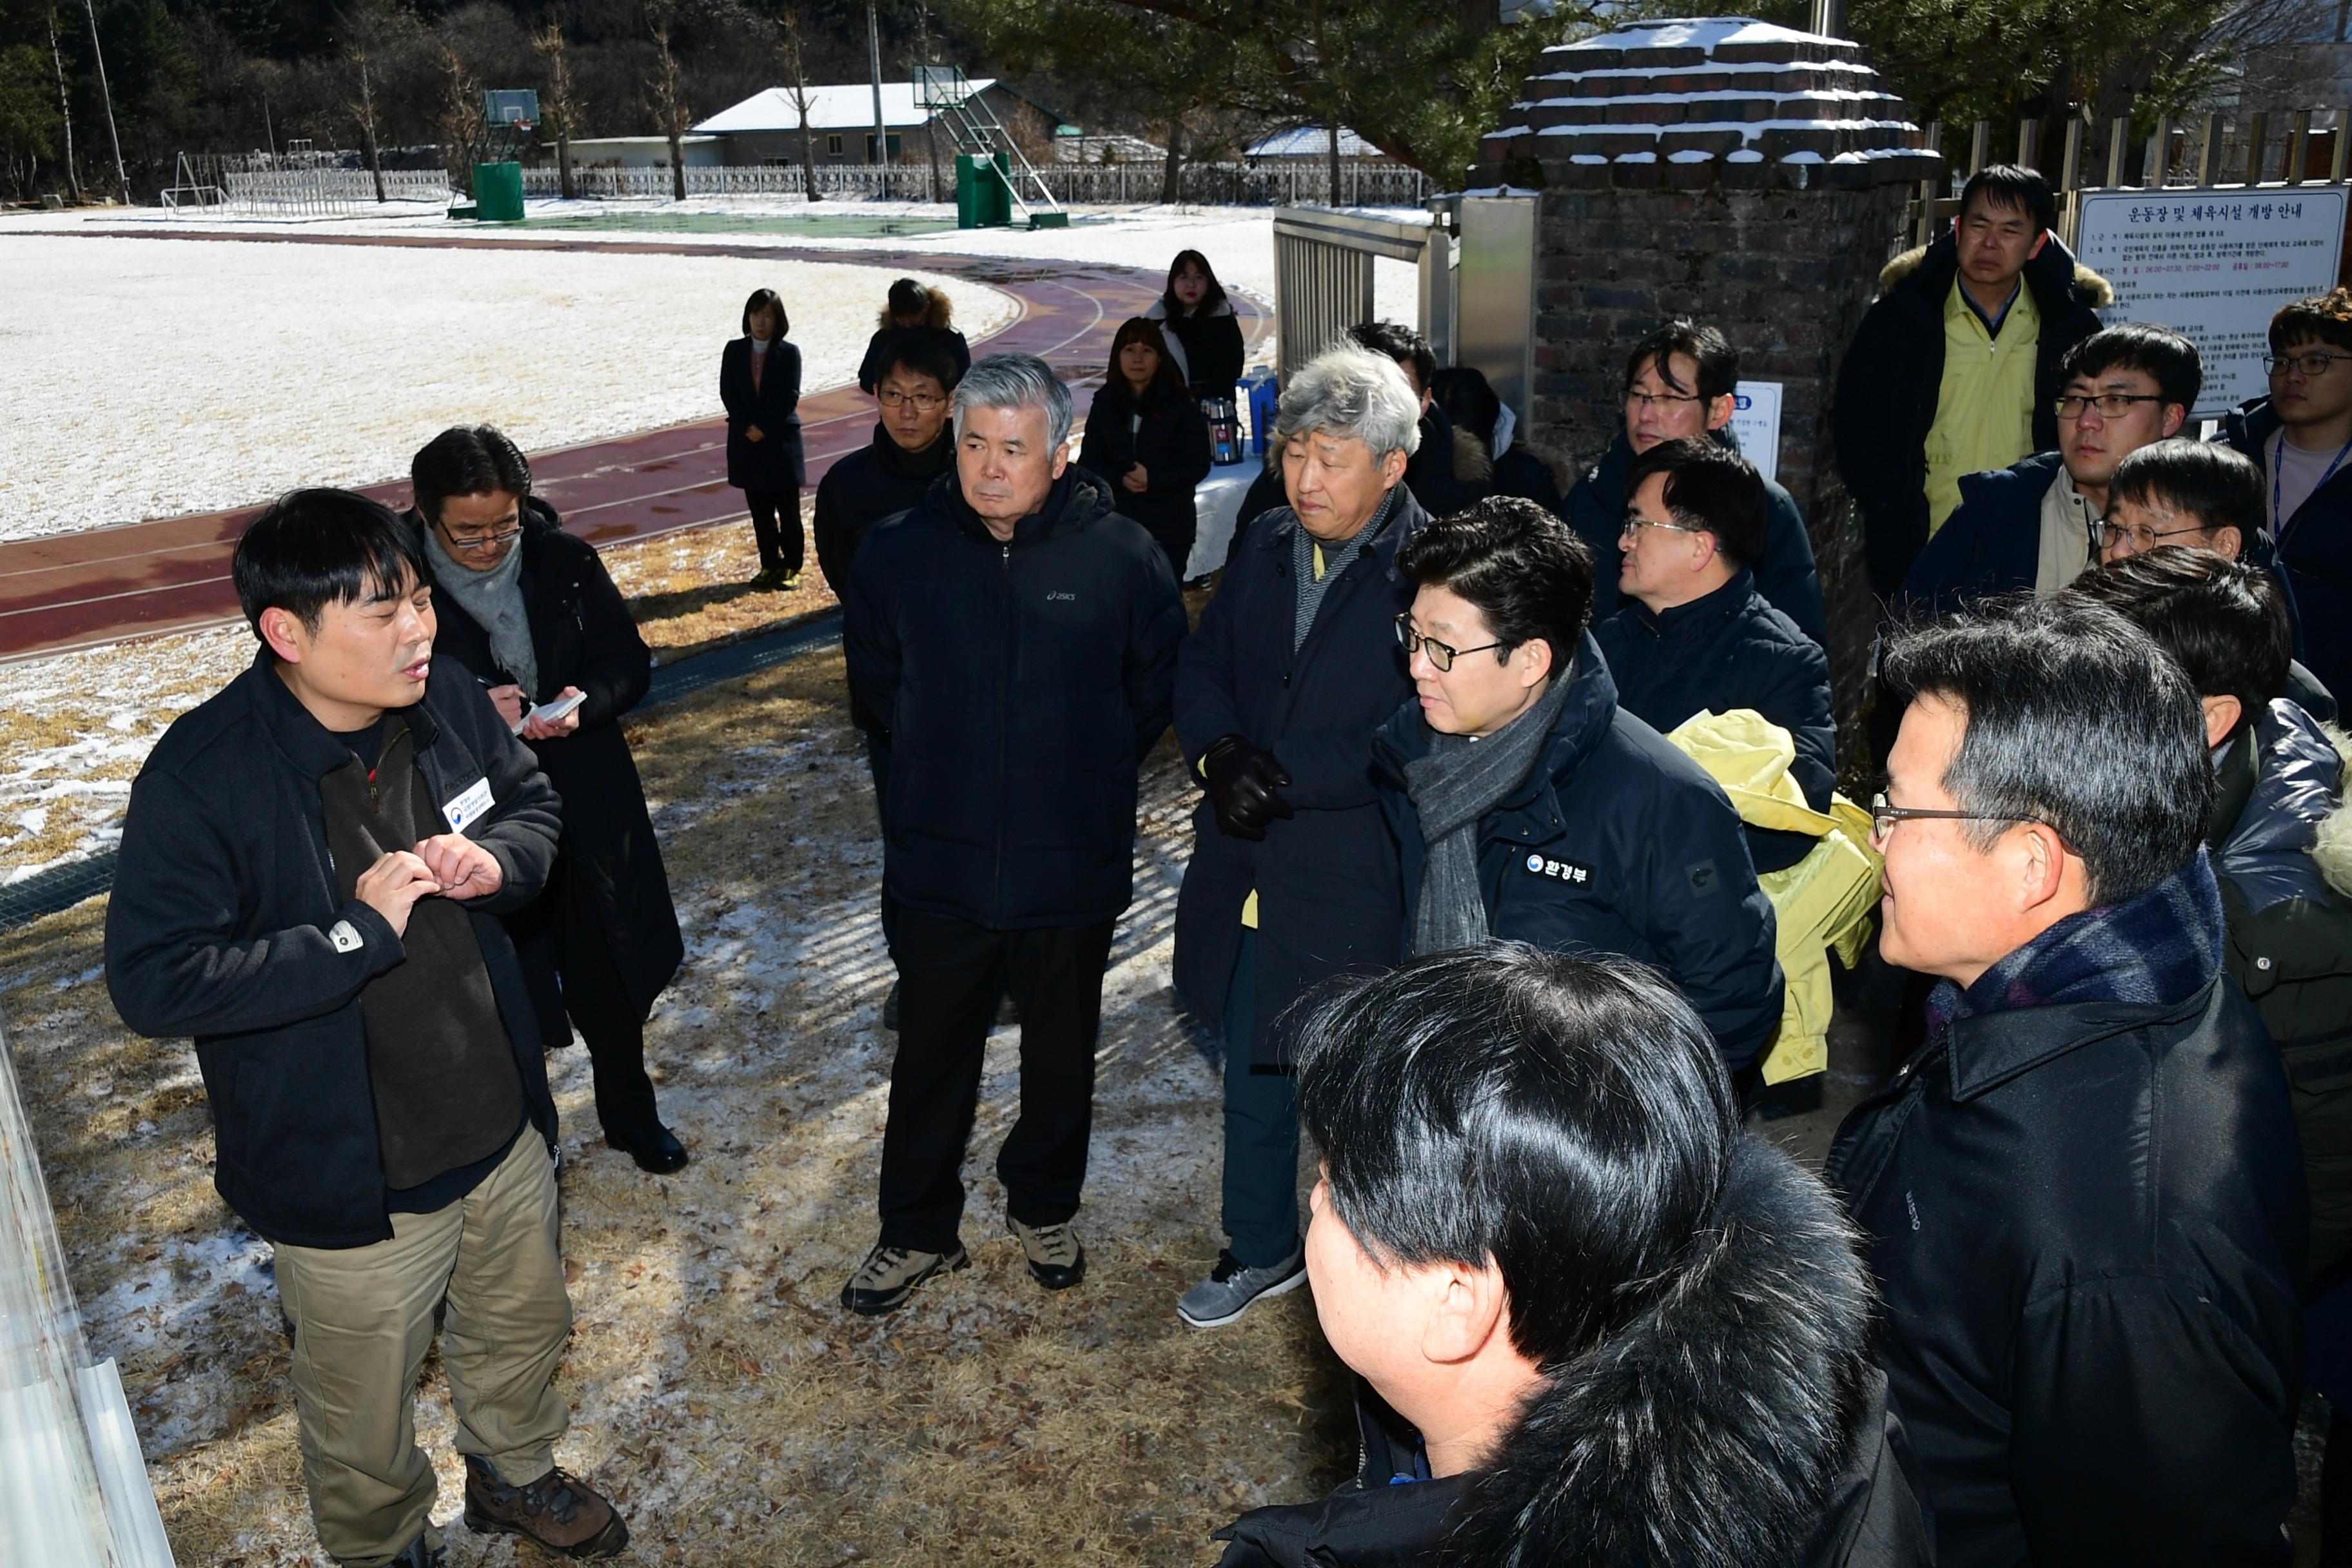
x,y
81,590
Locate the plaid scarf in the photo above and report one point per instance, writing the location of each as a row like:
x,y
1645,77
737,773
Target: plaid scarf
x,y
2159,948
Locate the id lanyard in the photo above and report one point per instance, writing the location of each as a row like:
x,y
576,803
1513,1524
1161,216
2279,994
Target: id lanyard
x,y
2278,472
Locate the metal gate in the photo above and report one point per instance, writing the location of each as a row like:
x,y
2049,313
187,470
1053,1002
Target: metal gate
x,y
1323,279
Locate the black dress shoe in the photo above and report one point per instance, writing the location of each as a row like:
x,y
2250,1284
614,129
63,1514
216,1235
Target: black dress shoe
x,y
661,1153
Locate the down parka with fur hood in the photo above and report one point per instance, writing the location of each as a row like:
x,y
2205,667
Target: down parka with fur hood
x,y
1735,1421
938,320
1893,373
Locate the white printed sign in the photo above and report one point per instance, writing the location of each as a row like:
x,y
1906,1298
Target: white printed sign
x,y
2215,266
1756,421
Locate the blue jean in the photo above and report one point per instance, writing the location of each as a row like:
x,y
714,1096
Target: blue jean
x,y
1261,1185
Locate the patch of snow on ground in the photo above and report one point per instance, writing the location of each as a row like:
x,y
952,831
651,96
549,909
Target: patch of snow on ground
x,y
151,379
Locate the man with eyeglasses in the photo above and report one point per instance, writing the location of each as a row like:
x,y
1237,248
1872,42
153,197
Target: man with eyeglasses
x,y
2080,1195
1680,382
913,449
1955,370
1696,637
2027,526
1529,805
2300,438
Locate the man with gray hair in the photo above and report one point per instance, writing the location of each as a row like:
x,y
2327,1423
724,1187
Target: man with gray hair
x,y
1293,878
1016,639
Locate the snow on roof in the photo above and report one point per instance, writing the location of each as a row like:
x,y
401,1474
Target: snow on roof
x,y
1310,140
845,106
1708,33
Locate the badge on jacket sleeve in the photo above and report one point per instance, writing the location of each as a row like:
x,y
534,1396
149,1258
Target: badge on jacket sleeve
x,y
467,807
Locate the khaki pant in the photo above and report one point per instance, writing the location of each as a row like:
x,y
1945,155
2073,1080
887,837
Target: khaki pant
x,y
363,1320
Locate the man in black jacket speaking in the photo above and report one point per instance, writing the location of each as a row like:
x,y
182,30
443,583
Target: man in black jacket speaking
x,y
1017,638
311,871
2082,1195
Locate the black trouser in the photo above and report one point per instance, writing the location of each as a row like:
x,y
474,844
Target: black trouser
x,y
776,524
611,1027
877,763
950,973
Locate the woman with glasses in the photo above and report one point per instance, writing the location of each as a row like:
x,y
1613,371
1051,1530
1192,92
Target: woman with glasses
x,y
1149,440
759,383
530,612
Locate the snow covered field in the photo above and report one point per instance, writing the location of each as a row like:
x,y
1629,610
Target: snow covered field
x,y
148,379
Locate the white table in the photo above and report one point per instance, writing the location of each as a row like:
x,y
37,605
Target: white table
x,y
1217,501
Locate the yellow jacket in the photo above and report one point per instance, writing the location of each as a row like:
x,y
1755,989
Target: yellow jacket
x,y
1823,901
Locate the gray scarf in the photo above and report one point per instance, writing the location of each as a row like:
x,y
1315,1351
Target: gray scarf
x,y
494,598
1456,783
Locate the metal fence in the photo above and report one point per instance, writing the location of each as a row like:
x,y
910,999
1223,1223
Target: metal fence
x,y
1097,184
1323,279
296,185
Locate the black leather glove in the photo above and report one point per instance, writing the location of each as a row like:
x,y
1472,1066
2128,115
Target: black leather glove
x,y
1241,785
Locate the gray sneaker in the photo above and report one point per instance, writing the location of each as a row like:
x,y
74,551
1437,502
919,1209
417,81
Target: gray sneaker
x,y
889,1274
1229,1288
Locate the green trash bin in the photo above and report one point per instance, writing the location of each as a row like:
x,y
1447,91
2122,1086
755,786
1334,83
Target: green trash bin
x,y
983,197
497,192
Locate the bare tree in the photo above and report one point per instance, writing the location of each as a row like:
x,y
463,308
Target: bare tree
x,y
463,121
560,111
796,62
372,38
670,113
65,109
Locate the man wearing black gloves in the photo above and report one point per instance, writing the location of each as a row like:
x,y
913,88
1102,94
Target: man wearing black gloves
x,y
311,874
1017,638
1695,637
1293,876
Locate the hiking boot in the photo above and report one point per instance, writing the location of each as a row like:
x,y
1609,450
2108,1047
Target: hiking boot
x,y
1057,1261
889,1274
417,1554
1229,1288
559,1512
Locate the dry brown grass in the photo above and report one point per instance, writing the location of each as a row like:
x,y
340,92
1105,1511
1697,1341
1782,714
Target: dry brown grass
x,y
738,1415
692,591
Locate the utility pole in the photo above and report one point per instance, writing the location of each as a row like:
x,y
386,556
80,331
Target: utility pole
x,y
123,180
881,131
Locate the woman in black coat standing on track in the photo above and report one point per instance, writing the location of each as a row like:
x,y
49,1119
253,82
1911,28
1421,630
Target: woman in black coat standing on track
x,y
759,383
1205,336
530,612
1146,436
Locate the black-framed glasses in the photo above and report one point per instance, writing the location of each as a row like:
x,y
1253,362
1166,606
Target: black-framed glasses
x,y
2110,405
1652,399
922,402
2140,539
1882,817
1440,655
2312,364
479,541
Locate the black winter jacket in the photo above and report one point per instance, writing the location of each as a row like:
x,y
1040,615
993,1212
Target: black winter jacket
x,y
1020,684
2085,1219
938,324
226,924
1893,375
1730,649
1736,1421
1595,507
1616,843
1990,544
879,479
1207,346
773,463
1172,445
1328,898
2312,551
609,894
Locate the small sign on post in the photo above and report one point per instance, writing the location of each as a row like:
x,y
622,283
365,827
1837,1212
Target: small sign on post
x,y
1756,422
2214,265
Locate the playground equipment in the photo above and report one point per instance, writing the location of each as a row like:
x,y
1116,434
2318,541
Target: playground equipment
x,y
992,172
509,113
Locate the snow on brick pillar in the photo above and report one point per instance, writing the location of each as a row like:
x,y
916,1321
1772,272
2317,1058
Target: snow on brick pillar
x,y
1747,176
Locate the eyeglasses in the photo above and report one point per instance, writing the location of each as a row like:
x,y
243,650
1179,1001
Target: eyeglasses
x,y
2110,405
1440,655
2140,539
2311,364
479,541
1634,522
922,402
1882,817
1648,400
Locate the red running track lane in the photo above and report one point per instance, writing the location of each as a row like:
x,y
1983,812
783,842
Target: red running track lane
x,y
102,586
